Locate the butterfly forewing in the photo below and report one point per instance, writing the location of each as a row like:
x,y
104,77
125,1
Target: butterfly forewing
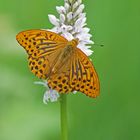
x,y
32,40
89,83
43,47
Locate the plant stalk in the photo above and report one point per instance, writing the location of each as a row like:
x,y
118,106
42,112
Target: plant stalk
x,y
63,117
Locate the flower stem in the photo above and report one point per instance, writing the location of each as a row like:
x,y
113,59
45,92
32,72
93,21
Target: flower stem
x,y
63,117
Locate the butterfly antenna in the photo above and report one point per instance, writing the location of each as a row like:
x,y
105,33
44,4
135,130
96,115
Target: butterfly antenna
x,y
100,45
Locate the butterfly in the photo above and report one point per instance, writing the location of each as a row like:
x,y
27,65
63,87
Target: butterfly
x,y
53,58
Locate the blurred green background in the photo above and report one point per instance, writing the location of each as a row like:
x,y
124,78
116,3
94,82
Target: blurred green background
x,y
114,115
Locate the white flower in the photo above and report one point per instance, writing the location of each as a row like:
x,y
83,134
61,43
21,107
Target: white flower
x,y
69,16
49,95
53,20
60,9
70,24
79,10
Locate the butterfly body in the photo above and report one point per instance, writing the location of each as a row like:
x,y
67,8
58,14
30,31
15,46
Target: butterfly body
x,y
60,62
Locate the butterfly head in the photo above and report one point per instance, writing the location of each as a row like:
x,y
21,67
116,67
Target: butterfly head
x,y
73,42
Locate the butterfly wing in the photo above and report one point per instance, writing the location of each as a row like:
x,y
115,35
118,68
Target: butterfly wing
x,y
43,48
75,72
59,79
85,76
78,74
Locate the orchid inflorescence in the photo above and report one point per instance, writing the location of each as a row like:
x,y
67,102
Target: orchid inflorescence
x,y
70,24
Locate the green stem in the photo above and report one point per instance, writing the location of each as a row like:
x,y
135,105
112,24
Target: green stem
x,y
63,117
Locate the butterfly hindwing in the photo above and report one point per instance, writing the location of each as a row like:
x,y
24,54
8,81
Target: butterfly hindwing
x,y
59,79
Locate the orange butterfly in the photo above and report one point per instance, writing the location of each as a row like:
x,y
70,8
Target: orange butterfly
x,y
60,62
